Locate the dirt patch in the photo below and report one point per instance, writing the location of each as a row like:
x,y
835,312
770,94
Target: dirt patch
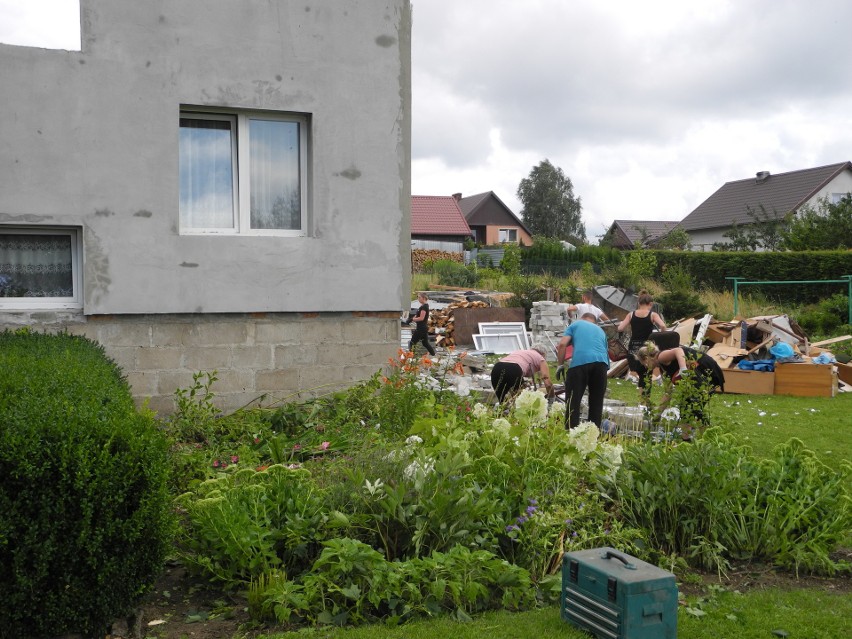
x,y
184,607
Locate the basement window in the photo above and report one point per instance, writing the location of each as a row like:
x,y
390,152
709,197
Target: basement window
x,y
243,173
39,268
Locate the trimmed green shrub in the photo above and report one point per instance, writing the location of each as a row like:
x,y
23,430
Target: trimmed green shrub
x,y
85,514
454,274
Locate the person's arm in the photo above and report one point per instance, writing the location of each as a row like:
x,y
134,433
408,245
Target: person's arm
x,y
623,324
603,317
421,315
544,373
560,349
572,308
658,321
671,355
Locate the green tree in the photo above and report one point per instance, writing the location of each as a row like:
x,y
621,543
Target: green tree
x,y
766,231
676,239
550,207
825,226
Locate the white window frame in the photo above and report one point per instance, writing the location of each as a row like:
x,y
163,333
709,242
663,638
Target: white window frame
x,y
55,303
836,197
508,232
241,171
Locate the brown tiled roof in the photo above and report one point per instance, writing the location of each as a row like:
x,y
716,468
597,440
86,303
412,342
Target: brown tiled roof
x,y
475,213
631,230
777,194
437,215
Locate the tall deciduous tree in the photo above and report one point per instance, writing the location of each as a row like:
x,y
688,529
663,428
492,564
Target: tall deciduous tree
x,y
550,207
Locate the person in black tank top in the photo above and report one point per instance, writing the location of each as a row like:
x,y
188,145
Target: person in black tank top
x,y
642,322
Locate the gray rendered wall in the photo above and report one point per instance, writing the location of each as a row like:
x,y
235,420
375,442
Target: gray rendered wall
x,y
90,140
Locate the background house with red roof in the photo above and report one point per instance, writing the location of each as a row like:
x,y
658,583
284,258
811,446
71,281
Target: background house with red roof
x,y
437,223
491,221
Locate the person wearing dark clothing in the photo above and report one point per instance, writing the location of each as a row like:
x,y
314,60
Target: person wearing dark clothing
x,y
421,325
641,322
683,361
587,370
507,376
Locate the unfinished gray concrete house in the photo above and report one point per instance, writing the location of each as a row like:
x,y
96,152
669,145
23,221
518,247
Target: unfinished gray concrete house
x,y
213,185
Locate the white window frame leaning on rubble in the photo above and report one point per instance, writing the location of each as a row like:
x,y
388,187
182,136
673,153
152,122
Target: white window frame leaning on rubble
x,y
31,264
223,174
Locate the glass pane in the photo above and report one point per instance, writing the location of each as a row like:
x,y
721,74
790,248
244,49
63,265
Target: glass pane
x,y
35,265
275,194
206,174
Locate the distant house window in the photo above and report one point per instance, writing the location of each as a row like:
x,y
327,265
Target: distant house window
x,y
39,268
836,197
243,173
508,235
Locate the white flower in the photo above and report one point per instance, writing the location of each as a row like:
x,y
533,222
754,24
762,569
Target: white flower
x,y
501,425
372,488
417,470
557,409
671,414
584,438
611,453
480,410
414,439
531,407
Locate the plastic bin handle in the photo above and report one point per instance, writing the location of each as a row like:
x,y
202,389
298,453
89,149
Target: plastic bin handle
x,y
611,554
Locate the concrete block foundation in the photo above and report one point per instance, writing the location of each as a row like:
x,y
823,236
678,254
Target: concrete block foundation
x,y
277,356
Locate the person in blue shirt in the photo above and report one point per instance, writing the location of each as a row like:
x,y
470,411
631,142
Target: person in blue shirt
x,y
587,370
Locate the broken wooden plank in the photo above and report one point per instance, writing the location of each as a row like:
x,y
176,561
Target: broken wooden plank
x,y
833,340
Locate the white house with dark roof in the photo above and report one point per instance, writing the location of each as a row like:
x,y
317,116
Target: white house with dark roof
x,y
776,194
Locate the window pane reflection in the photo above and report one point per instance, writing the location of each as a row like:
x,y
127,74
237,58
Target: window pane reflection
x,y
206,173
274,188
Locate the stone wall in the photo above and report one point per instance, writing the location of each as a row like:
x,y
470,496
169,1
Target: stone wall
x,y
276,355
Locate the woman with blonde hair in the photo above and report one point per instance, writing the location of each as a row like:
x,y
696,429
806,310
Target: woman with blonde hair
x,y
681,361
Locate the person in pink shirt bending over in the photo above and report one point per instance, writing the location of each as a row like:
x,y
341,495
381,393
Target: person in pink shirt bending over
x,y
507,376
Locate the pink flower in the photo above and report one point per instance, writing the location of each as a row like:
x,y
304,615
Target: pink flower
x,y
216,464
297,447
257,440
325,445
234,459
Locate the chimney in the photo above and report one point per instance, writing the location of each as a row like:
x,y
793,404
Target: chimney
x,y
456,196
761,177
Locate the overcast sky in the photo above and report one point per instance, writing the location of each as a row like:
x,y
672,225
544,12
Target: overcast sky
x,y
648,106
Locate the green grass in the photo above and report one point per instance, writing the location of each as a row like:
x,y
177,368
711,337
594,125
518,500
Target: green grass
x,y
765,421
811,614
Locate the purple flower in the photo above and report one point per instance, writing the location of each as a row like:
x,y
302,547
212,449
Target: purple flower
x,y
522,519
574,534
531,510
568,522
511,527
534,502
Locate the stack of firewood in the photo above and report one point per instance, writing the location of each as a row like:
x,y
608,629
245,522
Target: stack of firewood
x,y
420,257
441,322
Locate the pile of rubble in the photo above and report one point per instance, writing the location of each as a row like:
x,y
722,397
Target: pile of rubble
x,y
768,354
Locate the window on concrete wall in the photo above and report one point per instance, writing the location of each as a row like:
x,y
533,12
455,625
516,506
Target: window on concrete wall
x,y
39,268
243,173
836,197
508,235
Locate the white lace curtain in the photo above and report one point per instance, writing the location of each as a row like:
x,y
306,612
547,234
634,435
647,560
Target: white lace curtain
x,y
35,265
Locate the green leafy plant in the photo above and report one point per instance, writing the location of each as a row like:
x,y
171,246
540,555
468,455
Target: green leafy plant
x,y
85,520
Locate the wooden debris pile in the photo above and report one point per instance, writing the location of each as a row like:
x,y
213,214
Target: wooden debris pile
x,y
420,257
442,323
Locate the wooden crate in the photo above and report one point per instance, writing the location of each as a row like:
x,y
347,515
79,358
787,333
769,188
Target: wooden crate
x,y
805,380
749,382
